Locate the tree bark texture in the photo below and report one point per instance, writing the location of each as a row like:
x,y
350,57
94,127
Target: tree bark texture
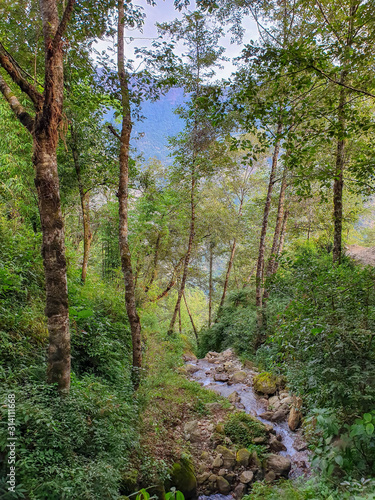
x,y
123,199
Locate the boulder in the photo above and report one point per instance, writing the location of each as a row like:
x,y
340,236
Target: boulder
x,y
265,383
267,415
228,354
274,403
202,478
230,477
182,477
280,465
221,377
234,397
212,478
229,367
213,406
192,431
238,377
239,491
228,456
247,476
218,462
270,476
295,415
223,485
276,445
243,457
260,440
281,413
191,368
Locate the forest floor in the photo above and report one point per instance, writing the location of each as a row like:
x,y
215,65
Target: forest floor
x,y
364,255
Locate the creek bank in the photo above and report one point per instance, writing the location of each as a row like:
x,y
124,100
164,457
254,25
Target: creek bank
x,y
253,437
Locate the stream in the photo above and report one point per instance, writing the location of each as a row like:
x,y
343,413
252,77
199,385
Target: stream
x,y
296,448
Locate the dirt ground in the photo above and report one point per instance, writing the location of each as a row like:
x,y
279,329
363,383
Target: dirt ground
x,y
364,255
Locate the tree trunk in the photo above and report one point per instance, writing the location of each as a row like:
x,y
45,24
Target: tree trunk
x,y
210,286
262,243
85,206
123,198
188,253
229,268
191,318
339,177
282,238
155,263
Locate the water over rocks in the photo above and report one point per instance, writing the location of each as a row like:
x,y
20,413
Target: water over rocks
x,y
225,467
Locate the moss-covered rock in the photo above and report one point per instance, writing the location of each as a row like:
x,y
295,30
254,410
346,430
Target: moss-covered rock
x,y
243,457
242,429
265,383
182,477
129,481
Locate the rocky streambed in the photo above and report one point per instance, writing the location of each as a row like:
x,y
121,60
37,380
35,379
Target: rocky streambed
x,y
260,401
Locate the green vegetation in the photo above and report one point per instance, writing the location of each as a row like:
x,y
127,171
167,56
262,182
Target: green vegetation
x,y
243,428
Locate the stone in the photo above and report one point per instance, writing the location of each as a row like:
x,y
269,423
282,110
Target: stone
x,y
205,455
260,440
281,413
243,457
284,394
229,367
269,428
239,491
228,456
280,465
219,369
267,415
254,460
234,397
227,354
265,383
230,477
191,426
182,477
189,356
218,462
295,415
221,377
276,445
213,406
223,485
222,472
220,428
202,478
288,400
239,377
192,431
274,403
191,368
270,476
247,476
249,365
212,478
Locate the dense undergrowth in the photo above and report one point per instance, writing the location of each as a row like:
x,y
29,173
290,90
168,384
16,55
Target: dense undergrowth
x,y
318,330
77,448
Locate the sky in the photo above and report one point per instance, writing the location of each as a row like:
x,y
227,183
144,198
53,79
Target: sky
x,y
160,121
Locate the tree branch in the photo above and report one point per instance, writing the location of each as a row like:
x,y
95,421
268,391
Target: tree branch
x,y
63,23
114,132
14,71
364,92
20,112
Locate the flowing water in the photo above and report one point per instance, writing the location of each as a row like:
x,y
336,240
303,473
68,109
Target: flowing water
x,y
252,404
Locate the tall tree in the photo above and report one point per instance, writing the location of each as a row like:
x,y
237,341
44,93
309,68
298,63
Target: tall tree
x,y
44,128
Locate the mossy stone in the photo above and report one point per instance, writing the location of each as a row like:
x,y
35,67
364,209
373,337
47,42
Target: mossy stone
x,y
183,478
129,481
265,383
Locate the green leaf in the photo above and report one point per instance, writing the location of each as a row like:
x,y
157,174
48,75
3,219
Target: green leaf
x,y
367,417
339,460
370,429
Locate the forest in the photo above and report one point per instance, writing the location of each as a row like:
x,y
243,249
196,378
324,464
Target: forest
x,y
187,250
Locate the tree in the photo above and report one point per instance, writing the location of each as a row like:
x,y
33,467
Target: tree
x,y
44,128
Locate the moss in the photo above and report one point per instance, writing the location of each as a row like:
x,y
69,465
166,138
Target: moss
x,y
183,478
242,429
129,481
265,382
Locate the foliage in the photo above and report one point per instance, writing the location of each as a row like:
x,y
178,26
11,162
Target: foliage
x,y
242,428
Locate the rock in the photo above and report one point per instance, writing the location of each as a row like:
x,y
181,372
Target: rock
x,y
222,472
275,445
203,477
192,431
284,394
260,440
219,369
295,414
227,354
212,478
191,426
288,400
238,377
267,415
234,397
182,369
281,413
239,491
280,465
274,403
223,485
249,365
129,480
230,477
191,368
205,455
182,477
229,367
247,476
254,460
243,457
228,456
213,406
189,356
221,377
218,462
220,428
265,383
269,428
270,476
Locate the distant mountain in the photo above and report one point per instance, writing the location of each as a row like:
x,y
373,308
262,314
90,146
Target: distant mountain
x,y
160,123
